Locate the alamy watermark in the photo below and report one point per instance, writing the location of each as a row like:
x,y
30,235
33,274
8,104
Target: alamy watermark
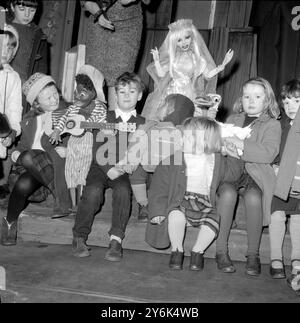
x,y
296,19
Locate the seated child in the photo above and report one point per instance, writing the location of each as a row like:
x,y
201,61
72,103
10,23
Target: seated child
x,y
183,193
37,161
287,191
10,100
108,149
89,102
154,142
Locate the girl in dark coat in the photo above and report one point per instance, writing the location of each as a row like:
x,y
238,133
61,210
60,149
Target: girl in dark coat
x,y
32,55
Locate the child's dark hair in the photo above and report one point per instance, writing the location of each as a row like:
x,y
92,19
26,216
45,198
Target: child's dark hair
x,y
26,3
85,81
290,89
127,78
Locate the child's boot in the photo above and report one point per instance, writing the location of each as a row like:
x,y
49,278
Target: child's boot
x,y
253,266
176,260
143,213
9,233
196,261
80,249
224,263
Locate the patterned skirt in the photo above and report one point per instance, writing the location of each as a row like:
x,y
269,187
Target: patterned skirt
x,y
199,211
79,159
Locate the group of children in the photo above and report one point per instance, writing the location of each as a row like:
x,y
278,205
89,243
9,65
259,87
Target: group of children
x,y
195,182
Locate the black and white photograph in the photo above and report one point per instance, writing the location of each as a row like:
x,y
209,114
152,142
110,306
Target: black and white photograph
x,y
149,156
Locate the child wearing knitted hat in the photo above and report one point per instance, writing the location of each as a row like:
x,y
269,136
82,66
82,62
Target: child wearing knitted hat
x,y
89,102
10,99
37,161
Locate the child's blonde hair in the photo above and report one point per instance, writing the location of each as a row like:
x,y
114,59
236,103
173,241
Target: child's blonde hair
x,y
212,133
271,106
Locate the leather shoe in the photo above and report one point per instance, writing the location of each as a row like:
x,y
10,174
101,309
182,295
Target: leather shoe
x,y
115,251
277,273
143,213
224,263
80,249
196,261
253,266
176,260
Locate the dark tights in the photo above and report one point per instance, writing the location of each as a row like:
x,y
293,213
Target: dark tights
x,y
254,216
26,185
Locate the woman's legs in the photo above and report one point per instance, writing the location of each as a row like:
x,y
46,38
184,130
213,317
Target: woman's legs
x,y
24,187
227,196
176,228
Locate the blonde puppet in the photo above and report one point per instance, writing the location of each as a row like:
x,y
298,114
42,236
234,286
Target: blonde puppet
x,y
182,65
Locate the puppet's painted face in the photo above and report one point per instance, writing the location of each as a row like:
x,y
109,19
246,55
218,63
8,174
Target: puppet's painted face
x,y
185,40
48,99
253,99
127,96
291,106
23,14
8,49
83,96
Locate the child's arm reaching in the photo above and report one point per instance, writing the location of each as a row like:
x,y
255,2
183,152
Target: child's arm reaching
x,y
160,71
220,68
263,152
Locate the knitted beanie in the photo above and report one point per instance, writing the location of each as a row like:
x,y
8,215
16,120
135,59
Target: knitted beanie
x,y
97,79
33,86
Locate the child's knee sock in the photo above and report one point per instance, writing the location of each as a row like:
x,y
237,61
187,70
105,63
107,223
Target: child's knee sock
x,y
140,193
295,239
276,234
176,228
205,237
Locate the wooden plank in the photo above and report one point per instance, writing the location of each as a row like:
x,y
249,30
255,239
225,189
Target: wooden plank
x,y
59,231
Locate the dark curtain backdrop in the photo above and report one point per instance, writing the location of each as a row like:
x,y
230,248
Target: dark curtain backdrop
x,y
278,42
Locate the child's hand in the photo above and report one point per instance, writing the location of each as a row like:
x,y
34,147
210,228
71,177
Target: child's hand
x,y
55,137
158,219
198,112
6,142
114,173
231,149
238,143
62,151
105,23
155,54
212,113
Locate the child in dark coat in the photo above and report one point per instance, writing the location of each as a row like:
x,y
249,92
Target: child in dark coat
x,y
183,192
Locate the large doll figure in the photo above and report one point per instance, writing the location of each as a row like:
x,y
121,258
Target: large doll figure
x,y
183,65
